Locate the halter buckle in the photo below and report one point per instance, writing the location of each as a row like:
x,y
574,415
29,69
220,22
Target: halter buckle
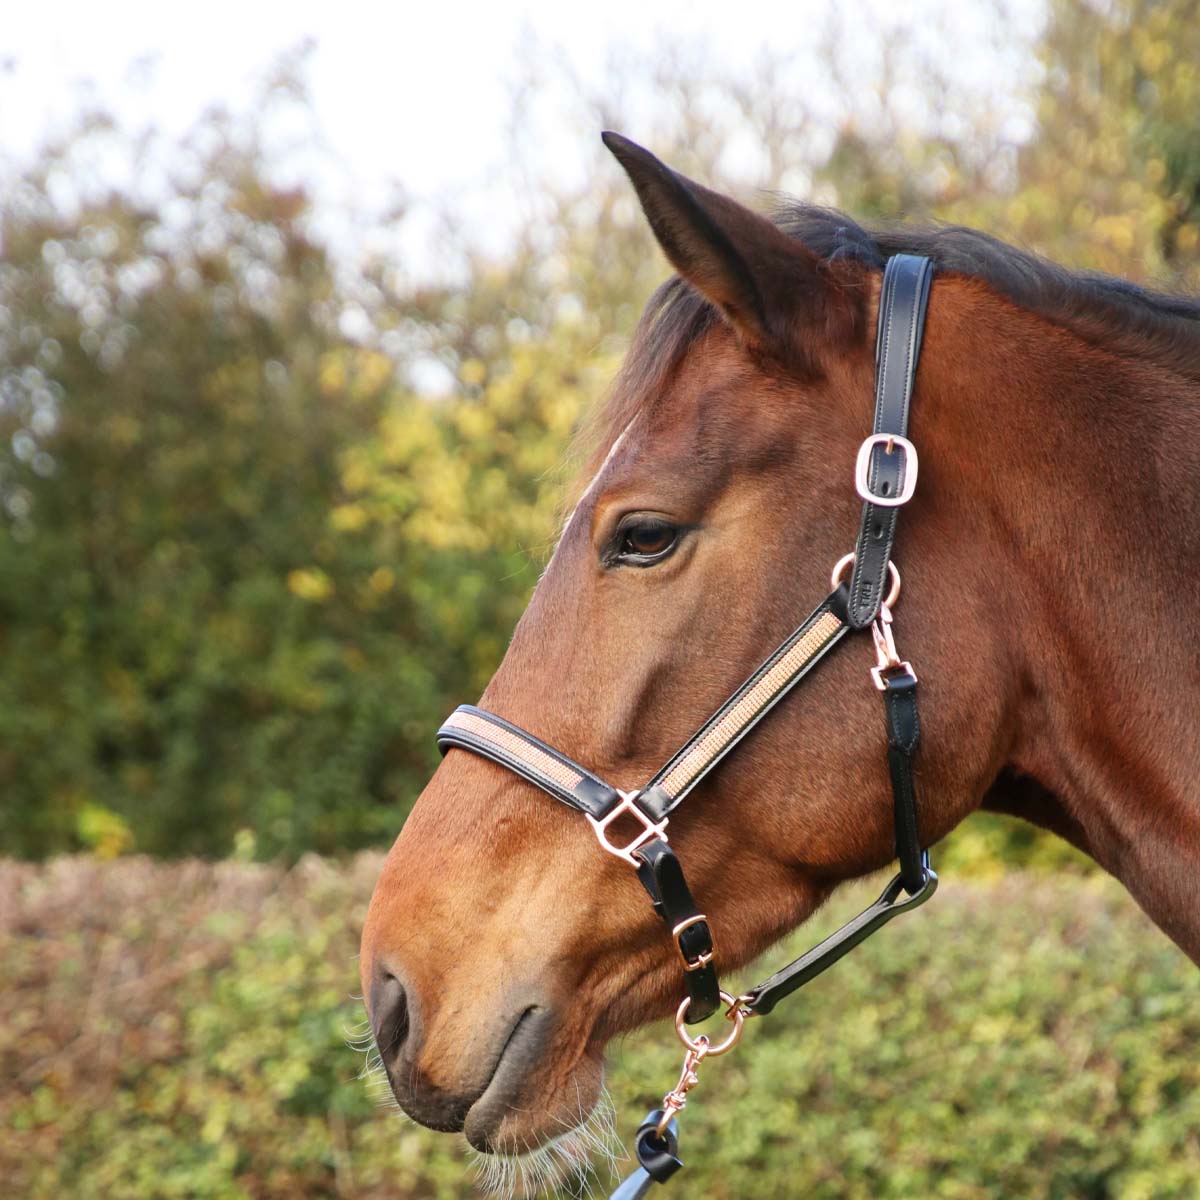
x,y
701,960
651,830
891,442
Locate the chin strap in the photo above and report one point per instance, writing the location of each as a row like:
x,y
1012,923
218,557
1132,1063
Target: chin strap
x,y
661,874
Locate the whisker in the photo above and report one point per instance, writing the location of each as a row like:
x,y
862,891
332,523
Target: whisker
x,y
570,1164
574,1163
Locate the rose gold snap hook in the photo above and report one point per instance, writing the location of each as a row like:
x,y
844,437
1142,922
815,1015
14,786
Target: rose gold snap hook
x,y
734,1012
887,657
847,560
675,1101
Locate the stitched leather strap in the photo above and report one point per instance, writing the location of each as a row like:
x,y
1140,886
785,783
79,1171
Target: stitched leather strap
x,y
484,733
915,877
662,876
904,732
763,998
902,304
475,729
816,635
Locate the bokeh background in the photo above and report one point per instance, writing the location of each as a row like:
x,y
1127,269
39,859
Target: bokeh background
x,y
301,316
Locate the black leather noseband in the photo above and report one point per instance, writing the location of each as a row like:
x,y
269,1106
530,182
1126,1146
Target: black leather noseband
x,y
885,476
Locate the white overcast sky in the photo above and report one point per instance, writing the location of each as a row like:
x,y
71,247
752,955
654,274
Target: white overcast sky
x,y
404,91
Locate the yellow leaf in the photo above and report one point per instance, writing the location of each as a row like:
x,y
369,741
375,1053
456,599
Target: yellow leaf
x,y
310,583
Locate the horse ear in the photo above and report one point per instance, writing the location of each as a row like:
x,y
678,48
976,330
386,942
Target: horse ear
x,y
764,282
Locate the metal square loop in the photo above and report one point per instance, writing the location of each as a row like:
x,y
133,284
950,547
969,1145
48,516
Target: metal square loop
x,y
650,829
879,674
862,469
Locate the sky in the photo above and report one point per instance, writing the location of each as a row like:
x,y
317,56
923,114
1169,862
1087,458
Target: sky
x,y
417,94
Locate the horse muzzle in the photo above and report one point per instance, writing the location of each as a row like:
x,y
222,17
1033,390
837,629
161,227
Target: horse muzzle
x,y
475,1082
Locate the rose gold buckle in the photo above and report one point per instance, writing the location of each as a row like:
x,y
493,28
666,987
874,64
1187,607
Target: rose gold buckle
x,y
650,829
701,960
862,469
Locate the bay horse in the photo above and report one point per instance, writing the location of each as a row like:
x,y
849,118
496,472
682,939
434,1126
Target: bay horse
x,y
1051,562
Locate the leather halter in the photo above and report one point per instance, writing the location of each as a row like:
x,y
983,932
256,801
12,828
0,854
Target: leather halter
x,y
885,476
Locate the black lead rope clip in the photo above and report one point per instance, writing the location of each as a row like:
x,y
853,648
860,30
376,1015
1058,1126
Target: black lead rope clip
x,y
657,1155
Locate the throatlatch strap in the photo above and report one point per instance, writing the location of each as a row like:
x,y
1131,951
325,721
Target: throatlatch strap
x,y
820,631
892,903
902,303
484,733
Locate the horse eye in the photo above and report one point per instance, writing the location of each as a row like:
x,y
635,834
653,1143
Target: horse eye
x,y
644,542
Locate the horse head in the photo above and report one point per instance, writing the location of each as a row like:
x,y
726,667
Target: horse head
x,y
502,950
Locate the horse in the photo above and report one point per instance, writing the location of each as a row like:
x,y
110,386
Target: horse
x,y
1051,560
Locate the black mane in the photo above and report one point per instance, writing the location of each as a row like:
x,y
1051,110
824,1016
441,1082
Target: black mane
x,y
1027,280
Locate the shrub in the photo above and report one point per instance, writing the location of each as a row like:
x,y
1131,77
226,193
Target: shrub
x,y
180,1031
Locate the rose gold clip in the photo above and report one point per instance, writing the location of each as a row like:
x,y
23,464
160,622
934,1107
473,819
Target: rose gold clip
x,y
675,1100
887,658
698,1049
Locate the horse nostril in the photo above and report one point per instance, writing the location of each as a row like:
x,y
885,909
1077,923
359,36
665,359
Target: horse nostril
x,y
389,1016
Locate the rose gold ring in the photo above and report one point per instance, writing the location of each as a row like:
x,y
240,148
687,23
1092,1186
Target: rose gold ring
x,y
735,1014
847,560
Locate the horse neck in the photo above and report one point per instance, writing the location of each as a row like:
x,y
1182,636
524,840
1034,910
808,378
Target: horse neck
x,y
1079,472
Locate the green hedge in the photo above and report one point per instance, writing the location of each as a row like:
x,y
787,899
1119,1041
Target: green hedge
x,y
180,1031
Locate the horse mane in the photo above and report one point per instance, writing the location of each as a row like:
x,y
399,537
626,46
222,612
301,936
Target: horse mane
x,y
1104,310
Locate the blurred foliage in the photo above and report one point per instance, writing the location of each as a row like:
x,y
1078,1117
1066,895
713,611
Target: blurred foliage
x,y
178,405
250,554
210,1057
1112,181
